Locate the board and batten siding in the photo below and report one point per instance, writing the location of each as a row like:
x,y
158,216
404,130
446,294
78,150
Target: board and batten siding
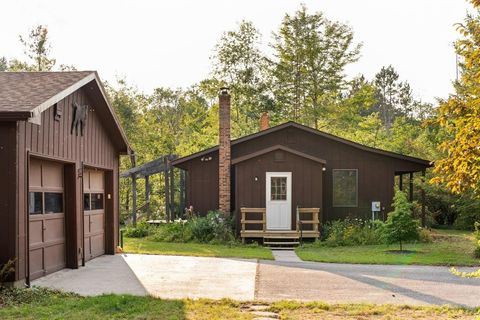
x,y
306,181
52,140
376,172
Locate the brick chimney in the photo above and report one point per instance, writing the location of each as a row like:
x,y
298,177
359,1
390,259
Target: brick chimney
x,y
224,152
264,121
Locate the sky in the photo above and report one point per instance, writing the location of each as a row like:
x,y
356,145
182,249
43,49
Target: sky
x,y
169,43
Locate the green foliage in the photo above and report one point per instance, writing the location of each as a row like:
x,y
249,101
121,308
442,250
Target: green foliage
x,y
400,225
350,232
311,53
13,296
459,116
173,232
142,229
6,270
213,228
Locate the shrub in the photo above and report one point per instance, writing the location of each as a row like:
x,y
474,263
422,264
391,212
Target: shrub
x,y
400,225
424,235
350,232
6,270
173,232
214,228
142,229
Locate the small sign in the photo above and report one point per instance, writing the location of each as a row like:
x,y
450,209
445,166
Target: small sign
x,y
376,206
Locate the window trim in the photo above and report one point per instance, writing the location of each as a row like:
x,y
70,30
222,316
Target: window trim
x,y
356,189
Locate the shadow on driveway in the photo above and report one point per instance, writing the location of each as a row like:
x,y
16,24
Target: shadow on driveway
x,y
346,283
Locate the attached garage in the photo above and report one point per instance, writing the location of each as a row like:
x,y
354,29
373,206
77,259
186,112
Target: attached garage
x,y
60,147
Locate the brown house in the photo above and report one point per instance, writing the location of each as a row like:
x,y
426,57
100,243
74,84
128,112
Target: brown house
x,y
291,172
59,155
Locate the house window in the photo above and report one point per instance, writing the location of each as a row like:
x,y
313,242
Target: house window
x,y
278,188
345,187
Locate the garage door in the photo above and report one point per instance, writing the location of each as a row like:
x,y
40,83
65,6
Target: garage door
x,y
94,219
47,218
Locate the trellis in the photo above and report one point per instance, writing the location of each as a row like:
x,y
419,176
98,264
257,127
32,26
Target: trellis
x,y
162,165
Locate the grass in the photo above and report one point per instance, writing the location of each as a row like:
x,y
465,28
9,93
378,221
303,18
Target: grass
x,y
51,304
449,247
146,246
318,310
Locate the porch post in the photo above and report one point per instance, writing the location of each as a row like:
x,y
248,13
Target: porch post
x,y
134,199
167,195
147,196
411,186
400,182
423,199
182,192
172,192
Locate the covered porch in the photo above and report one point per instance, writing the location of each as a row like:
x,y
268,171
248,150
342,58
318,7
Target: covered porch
x,y
254,225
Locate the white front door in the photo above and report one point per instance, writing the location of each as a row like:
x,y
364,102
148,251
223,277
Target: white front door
x,y
279,200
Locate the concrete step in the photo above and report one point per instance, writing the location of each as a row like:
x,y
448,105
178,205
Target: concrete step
x,y
281,243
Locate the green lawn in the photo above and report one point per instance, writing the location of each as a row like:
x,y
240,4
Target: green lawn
x,y
48,304
450,247
144,245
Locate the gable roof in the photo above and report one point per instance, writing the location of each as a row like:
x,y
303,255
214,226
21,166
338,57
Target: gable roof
x,y
291,124
25,95
277,147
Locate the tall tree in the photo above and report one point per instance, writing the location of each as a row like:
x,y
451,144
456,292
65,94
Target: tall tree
x,y
3,64
240,64
311,53
387,94
459,116
37,48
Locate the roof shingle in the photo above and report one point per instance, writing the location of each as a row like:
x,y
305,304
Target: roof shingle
x,y
24,91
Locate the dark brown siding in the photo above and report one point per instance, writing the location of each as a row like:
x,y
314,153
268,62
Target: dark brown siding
x,y
375,171
202,184
306,181
8,200
53,141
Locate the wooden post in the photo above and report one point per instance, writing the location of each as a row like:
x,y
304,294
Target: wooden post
x,y
134,199
167,192
147,197
411,186
423,199
172,191
182,191
400,181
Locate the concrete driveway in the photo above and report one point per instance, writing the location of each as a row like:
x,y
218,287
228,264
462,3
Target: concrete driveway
x,y
287,278
170,277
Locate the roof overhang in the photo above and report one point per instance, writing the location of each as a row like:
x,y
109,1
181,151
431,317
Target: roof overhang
x,y
423,162
15,116
274,148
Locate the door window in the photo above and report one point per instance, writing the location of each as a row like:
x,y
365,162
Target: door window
x,y
278,188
